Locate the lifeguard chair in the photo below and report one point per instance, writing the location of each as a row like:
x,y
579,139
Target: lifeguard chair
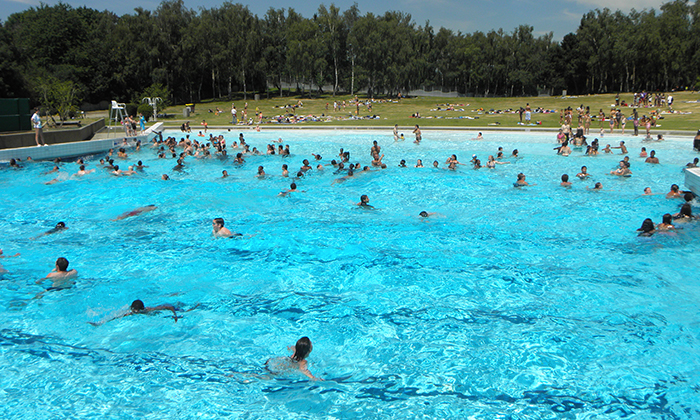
x,y
117,114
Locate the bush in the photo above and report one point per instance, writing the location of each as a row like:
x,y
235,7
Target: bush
x,y
146,110
131,109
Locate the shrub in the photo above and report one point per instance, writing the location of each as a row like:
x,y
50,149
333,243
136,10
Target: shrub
x,y
146,110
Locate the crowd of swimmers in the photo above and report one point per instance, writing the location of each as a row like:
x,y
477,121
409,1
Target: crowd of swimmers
x,y
61,277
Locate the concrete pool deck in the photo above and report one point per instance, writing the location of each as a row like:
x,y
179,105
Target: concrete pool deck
x,y
101,142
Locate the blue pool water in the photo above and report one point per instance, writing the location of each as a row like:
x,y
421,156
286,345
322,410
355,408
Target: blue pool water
x,y
534,303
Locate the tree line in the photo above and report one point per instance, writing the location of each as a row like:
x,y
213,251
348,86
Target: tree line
x,y
189,55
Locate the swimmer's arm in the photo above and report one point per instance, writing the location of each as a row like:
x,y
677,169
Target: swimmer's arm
x,y
167,307
303,368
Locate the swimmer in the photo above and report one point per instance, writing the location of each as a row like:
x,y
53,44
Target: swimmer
x,y
60,227
224,174
82,171
138,308
623,149
261,172
61,270
8,256
364,202
521,181
219,231
402,164
418,134
165,177
597,187
419,163
675,192
515,153
565,181
584,173
648,228
292,188
666,223
686,213
135,212
436,164
425,214
652,157
285,170
643,153
296,361
622,170
647,191
479,137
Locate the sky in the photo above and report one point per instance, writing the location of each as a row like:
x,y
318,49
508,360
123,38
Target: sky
x,y
557,16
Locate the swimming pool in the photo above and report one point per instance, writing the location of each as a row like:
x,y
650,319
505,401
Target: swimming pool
x,y
537,302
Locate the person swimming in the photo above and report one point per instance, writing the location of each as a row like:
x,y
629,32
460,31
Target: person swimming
x,y
138,308
60,227
648,228
135,212
297,361
364,202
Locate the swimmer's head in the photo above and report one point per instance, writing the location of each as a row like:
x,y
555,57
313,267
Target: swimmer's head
x,y
674,188
165,177
647,190
364,198
219,221
647,226
302,349
598,186
667,218
435,164
137,306
686,210
60,225
62,264
293,186
423,214
82,167
688,197
565,178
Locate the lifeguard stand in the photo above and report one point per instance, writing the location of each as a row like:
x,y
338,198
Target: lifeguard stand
x,y
117,114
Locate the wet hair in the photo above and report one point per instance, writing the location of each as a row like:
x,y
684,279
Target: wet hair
x,y
219,221
82,167
674,188
666,219
293,186
62,264
364,198
647,226
137,306
686,210
423,214
61,225
521,176
688,197
302,349
565,178
598,185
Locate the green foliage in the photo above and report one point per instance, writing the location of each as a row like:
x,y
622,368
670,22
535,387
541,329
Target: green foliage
x,y
61,97
182,55
145,110
156,90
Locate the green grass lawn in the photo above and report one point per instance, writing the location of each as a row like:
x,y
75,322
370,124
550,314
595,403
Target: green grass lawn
x,y
392,112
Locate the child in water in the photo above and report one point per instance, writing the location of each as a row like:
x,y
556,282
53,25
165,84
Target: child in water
x,y
296,361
